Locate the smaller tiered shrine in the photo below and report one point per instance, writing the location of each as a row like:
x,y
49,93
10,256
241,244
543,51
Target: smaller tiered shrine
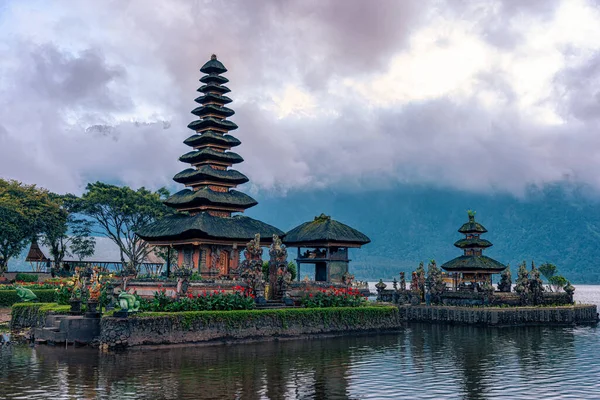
x,y
324,243
472,268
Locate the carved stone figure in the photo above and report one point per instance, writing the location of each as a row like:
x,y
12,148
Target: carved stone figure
x,y
522,284
278,268
536,286
251,268
435,282
380,286
25,294
95,285
347,278
569,290
505,281
402,281
128,302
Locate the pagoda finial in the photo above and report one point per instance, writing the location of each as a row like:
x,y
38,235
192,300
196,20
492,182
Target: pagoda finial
x,y
471,215
213,57
323,218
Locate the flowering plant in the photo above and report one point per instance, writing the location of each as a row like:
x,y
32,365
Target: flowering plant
x,y
333,297
215,300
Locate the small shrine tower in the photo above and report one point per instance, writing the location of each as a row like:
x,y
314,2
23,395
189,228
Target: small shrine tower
x,y
204,230
326,242
472,266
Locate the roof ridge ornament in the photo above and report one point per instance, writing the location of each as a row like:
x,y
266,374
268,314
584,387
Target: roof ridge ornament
x,y
323,218
471,215
213,56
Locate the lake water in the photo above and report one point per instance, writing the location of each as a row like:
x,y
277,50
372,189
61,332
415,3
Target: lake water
x,y
419,362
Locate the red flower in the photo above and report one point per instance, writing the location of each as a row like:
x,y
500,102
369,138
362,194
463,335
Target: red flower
x,y
190,296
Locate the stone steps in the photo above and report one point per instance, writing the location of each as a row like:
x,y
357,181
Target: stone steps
x,y
68,329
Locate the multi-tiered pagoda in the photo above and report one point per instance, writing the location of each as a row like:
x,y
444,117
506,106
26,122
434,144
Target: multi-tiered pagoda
x,y
204,230
472,267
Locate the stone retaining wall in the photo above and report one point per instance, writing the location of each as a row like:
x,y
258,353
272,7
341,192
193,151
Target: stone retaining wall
x,y
493,316
198,327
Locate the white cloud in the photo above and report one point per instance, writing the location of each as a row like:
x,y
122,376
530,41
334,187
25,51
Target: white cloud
x,y
493,94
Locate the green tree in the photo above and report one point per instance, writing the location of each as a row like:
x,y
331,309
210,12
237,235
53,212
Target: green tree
x,y
292,269
63,231
548,270
121,211
25,212
83,243
557,282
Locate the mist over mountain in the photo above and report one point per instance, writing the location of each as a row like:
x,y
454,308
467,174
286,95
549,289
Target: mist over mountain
x,y
408,224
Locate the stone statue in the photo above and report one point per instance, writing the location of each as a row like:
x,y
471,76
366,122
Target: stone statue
x,y
347,278
569,290
278,268
536,286
25,295
95,286
414,282
522,284
505,281
128,302
78,285
253,250
251,268
402,281
380,286
435,282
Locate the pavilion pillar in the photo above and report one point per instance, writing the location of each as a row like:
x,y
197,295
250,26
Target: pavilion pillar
x,y
196,258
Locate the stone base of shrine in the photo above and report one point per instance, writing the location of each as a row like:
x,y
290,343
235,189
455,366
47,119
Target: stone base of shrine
x,y
500,316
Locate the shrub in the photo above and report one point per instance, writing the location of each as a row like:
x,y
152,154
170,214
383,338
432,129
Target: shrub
x,y
10,297
21,277
333,297
207,301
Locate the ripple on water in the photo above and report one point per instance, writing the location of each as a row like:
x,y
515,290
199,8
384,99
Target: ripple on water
x,y
420,362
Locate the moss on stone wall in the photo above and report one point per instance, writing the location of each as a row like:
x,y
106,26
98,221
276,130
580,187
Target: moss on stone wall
x,y
32,315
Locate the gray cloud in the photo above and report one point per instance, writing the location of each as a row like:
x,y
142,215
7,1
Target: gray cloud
x,y
112,103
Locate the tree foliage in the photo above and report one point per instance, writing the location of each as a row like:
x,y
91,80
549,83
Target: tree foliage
x,y
25,212
121,211
66,234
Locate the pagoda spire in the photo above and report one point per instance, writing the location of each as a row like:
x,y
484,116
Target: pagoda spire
x,y
210,180
472,244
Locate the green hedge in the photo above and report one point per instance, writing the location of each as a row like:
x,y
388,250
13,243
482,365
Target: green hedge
x,y
30,315
351,316
10,297
22,277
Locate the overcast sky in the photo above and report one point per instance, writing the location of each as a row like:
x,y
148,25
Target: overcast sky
x,y
478,95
